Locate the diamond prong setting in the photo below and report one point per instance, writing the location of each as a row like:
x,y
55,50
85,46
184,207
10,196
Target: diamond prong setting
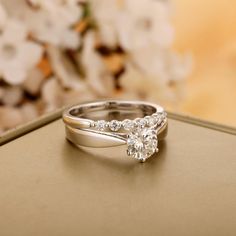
x,y
142,143
142,139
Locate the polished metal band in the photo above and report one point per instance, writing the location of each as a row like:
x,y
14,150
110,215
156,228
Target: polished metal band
x,y
114,123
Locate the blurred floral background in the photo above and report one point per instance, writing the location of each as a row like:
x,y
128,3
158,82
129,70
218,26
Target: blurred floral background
x,y
207,29
177,53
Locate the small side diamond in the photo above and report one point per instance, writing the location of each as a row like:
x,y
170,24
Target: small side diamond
x,y
140,122
161,117
100,125
156,117
114,125
128,124
151,120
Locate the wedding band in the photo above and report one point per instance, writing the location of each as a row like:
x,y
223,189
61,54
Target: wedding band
x,y
103,124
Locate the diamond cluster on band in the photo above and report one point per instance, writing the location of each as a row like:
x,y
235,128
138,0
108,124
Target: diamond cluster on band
x,y
129,125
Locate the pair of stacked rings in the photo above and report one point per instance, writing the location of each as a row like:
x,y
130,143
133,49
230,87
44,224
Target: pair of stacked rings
x,y
103,124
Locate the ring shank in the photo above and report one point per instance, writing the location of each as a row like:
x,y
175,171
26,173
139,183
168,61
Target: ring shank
x,y
112,106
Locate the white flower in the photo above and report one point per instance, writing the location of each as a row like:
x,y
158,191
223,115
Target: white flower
x,y
17,55
3,17
40,3
151,61
34,81
145,87
107,20
97,75
133,24
133,81
12,95
145,23
52,94
52,23
143,30
64,71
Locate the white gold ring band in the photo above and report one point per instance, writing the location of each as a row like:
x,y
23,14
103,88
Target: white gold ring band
x,y
101,124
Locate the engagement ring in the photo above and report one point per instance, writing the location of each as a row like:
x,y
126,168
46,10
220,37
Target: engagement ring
x,y
103,124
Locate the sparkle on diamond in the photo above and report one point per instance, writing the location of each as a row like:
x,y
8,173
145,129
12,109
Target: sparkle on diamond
x,y
142,143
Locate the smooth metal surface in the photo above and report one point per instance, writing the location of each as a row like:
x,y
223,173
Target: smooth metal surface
x,y
92,138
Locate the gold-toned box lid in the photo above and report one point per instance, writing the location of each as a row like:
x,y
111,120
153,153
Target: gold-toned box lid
x,y
49,187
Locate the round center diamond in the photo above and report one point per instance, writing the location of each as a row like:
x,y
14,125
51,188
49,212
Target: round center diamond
x,y
142,143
